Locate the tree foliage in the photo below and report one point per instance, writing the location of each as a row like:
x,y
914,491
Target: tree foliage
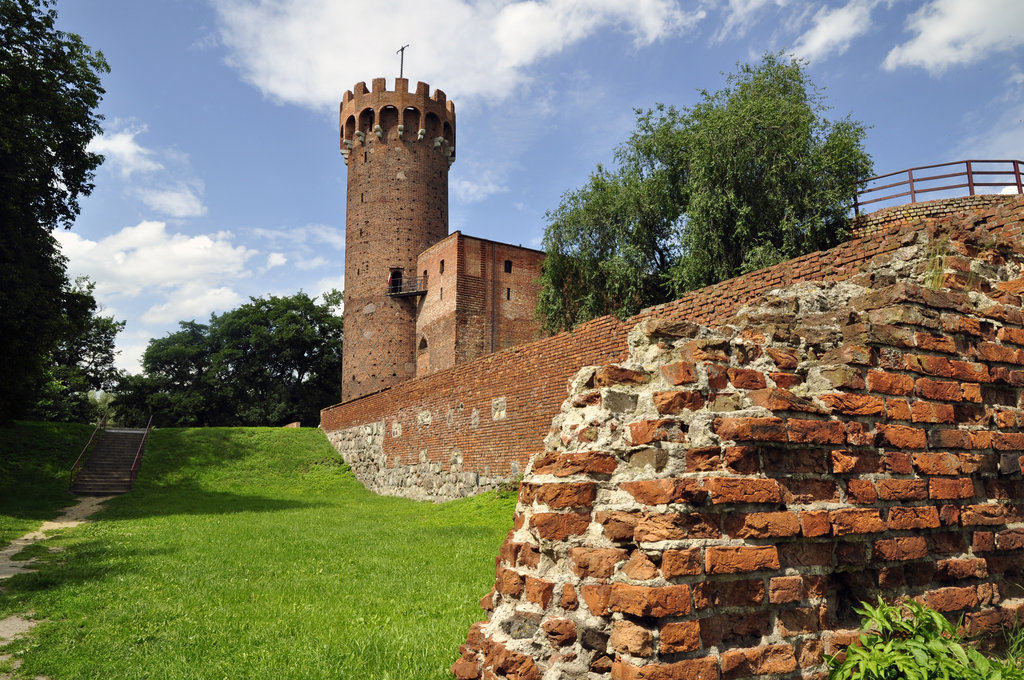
x,y
271,361
81,363
49,89
750,176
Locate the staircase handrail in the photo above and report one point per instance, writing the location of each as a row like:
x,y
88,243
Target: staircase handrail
x,y
79,462
138,454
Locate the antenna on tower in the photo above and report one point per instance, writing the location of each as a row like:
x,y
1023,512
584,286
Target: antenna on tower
x,y
401,62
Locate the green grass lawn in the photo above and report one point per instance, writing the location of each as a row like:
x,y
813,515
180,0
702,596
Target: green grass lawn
x,y
250,552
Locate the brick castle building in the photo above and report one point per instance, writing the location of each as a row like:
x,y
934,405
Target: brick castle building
x,y
418,299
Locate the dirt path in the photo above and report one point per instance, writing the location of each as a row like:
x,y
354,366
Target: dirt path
x,y
16,626
72,517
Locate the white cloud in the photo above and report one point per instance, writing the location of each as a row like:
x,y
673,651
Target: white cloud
x,y
181,200
177,276
131,345
122,151
308,247
741,15
1001,136
192,301
276,260
952,32
290,49
478,186
145,259
834,28
311,235
312,263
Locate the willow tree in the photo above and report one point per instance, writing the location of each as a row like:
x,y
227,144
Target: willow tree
x,y
752,175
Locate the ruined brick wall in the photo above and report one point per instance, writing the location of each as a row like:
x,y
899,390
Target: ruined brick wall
x,y
715,505
398,146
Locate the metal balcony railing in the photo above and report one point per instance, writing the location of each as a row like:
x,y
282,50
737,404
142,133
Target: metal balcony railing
x,y
415,285
948,180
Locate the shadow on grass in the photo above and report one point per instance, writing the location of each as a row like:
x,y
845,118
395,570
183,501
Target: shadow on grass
x,y
187,497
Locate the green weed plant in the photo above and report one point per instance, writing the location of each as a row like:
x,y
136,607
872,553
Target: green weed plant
x,y
912,642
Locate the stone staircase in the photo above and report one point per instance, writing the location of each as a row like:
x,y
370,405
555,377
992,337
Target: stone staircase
x,y
107,471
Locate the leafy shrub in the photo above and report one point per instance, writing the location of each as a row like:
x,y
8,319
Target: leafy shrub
x,y
912,642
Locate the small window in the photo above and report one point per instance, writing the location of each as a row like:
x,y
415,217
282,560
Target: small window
x,y
508,266
442,266
508,293
423,344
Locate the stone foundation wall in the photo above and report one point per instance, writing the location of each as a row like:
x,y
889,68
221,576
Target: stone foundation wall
x,y
362,447
714,506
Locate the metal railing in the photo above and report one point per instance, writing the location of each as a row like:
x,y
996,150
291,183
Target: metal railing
x,y
82,457
971,175
138,454
413,285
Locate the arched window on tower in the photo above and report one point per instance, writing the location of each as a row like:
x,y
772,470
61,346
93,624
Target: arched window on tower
x,y
389,122
432,126
366,120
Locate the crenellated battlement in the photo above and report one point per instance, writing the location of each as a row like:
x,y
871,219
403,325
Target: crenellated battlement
x,y
391,116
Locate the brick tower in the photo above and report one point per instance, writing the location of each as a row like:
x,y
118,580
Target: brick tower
x,y
398,146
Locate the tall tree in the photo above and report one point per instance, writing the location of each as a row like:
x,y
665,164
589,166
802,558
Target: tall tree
x,y
49,89
81,363
752,175
271,361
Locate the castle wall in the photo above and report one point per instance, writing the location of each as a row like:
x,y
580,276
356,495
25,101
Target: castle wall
x,y
448,418
715,506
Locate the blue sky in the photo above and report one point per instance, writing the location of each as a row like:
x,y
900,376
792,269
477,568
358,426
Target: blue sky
x,y
223,178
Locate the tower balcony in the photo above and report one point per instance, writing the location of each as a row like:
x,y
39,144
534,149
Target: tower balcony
x,y
407,286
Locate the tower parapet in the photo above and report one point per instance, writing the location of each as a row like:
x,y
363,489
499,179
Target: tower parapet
x,y
390,115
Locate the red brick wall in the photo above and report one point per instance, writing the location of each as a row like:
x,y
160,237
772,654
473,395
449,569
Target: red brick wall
x,y
475,308
873,223
532,378
435,320
716,506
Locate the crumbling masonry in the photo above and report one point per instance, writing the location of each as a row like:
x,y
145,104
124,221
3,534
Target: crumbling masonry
x,y
712,505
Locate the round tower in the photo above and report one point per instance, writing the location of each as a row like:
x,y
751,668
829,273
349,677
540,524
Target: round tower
x,y
398,146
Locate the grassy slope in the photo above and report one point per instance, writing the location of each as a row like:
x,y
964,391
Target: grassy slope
x,y
247,553
35,459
